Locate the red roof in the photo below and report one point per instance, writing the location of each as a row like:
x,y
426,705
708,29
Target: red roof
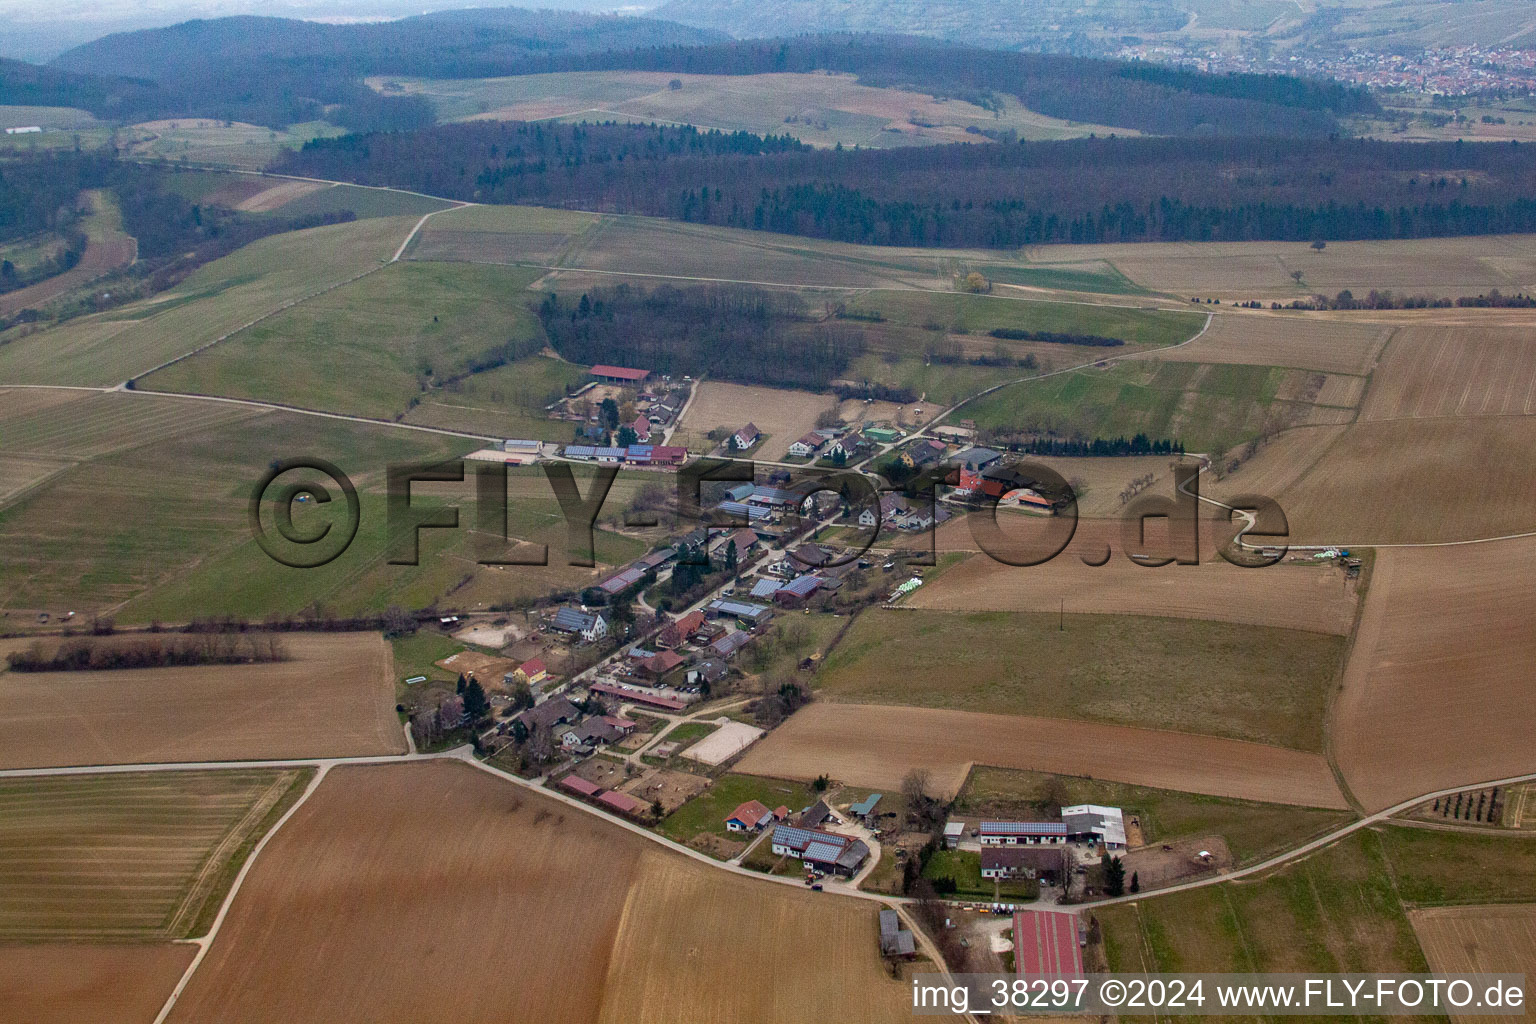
x,y
751,814
622,372
642,696
577,784
668,453
532,667
691,622
1045,943
621,802
662,663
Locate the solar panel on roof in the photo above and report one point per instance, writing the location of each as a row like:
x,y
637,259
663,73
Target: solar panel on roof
x,y
1024,828
821,850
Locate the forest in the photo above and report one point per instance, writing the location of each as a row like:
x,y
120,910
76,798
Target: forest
x,y
1001,195
734,333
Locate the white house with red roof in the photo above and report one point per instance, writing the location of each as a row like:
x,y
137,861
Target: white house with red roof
x,y
749,817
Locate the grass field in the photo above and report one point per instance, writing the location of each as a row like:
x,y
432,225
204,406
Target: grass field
x,y
334,697
71,982
1438,868
371,347
1438,689
964,313
1335,911
877,746
387,854
360,199
1209,407
500,234
819,109
1291,597
135,856
707,812
221,297
1252,830
1251,683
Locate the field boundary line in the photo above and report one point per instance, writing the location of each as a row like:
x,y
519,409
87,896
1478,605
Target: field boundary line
x,y
281,407
205,942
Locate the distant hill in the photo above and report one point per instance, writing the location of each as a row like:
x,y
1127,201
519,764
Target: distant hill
x,y
277,71
29,85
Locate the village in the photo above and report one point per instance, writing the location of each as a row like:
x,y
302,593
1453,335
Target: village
x,y
639,698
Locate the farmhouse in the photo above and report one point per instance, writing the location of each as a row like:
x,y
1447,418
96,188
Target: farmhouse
x,y
746,437
810,444
588,453
815,815
744,539
727,645
743,611
812,554
619,374
659,665
709,672
663,412
642,428
1046,944
825,851
765,588
976,459
795,593
590,626
553,712
849,446
1003,862
891,506
1088,823
923,453
894,939
1017,833
674,634
531,672
749,817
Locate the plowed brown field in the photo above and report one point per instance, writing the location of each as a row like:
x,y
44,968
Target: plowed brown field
x,y
436,893
76,984
334,698
877,746
1307,341
1439,690
1455,371
1494,940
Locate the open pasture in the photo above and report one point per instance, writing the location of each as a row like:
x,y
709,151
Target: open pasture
x,y
208,141
123,524
966,313
1262,270
79,425
1438,691
1400,481
866,745
333,698
819,109
368,348
1335,911
1482,940
74,983
1256,683
500,234
253,282
356,911
1454,371
1209,407
1283,596
783,415
133,856
1310,341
